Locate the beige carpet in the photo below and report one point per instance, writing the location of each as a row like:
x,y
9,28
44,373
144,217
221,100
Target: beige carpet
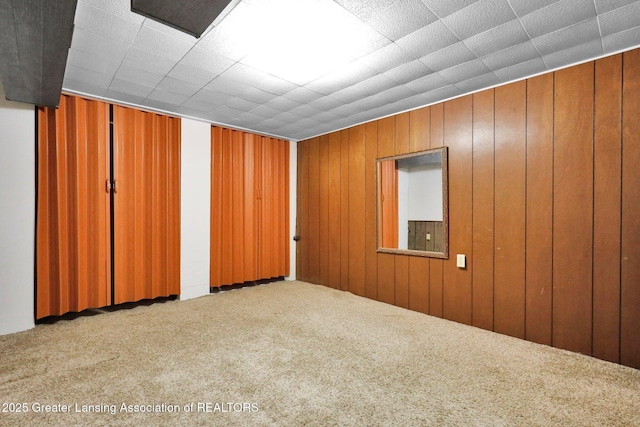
x,y
296,354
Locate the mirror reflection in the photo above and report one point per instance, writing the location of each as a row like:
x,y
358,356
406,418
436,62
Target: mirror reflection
x,y
412,203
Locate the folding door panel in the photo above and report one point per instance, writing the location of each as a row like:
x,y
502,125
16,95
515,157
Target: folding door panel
x,y
73,222
146,162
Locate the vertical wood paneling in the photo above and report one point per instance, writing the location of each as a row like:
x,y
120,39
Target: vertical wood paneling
x,y
357,177
542,179
573,208
419,284
458,137
237,208
436,266
606,205
402,132
215,269
371,256
252,184
539,232
401,281
72,248
344,210
323,241
302,220
630,267
334,210
314,210
138,138
483,204
419,124
510,218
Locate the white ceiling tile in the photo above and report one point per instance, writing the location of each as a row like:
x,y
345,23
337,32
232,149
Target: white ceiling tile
x,y
622,19
346,110
282,103
257,95
250,119
326,117
524,7
478,82
138,76
121,8
144,60
408,71
88,76
223,39
558,15
164,45
274,85
99,21
450,56
93,62
158,105
187,111
325,103
426,40
226,85
465,71
446,8
385,97
134,89
198,105
305,110
344,77
286,117
302,95
176,86
119,96
241,104
622,41
427,83
514,54
206,60
211,97
517,71
498,38
568,37
401,18
386,58
91,43
90,88
441,94
193,75
165,96
574,54
363,89
170,31
365,8
479,17
603,6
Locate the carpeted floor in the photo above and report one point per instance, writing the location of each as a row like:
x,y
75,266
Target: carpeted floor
x,y
292,354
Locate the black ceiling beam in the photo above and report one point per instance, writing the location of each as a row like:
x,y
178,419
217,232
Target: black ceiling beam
x,y
35,37
190,16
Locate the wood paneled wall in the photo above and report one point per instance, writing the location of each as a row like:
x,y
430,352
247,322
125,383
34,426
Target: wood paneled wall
x,y
544,197
73,269
249,207
147,205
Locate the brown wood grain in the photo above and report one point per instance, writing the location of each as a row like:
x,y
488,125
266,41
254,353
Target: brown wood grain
x,y
510,217
401,280
539,232
436,266
419,284
334,210
458,137
215,269
483,207
630,267
344,210
402,132
607,208
302,220
371,246
314,210
573,208
323,254
386,278
357,206
386,136
419,126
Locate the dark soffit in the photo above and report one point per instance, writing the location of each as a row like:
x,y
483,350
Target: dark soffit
x,y
35,37
192,17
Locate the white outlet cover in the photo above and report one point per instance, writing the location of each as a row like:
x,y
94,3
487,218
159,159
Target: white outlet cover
x,y
461,261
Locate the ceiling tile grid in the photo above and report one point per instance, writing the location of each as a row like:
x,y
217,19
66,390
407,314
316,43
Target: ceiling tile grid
x,y
298,68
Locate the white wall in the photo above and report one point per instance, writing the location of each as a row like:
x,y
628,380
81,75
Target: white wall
x,y
195,207
293,211
17,215
403,214
425,193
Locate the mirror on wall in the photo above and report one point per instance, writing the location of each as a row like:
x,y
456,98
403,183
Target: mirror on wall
x,y
412,204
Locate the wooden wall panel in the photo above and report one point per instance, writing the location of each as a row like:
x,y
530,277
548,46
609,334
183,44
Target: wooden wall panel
x,y
607,208
357,176
630,268
483,204
302,220
344,209
419,284
436,266
371,245
543,201
142,272
313,232
323,238
573,208
510,218
458,137
72,229
539,234
334,210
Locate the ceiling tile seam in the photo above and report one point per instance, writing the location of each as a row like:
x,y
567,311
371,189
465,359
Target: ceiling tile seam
x,y
528,35
605,55
595,7
122,60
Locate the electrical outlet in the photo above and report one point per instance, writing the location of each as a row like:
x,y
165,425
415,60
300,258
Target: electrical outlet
x,y
461,261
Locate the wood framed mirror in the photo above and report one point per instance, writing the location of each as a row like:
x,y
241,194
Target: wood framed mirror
x,y
412,204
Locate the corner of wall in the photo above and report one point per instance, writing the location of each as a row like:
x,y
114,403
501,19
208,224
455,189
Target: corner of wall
x,y
293,179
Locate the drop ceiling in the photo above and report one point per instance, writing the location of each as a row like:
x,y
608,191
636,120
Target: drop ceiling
x,y
300,68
